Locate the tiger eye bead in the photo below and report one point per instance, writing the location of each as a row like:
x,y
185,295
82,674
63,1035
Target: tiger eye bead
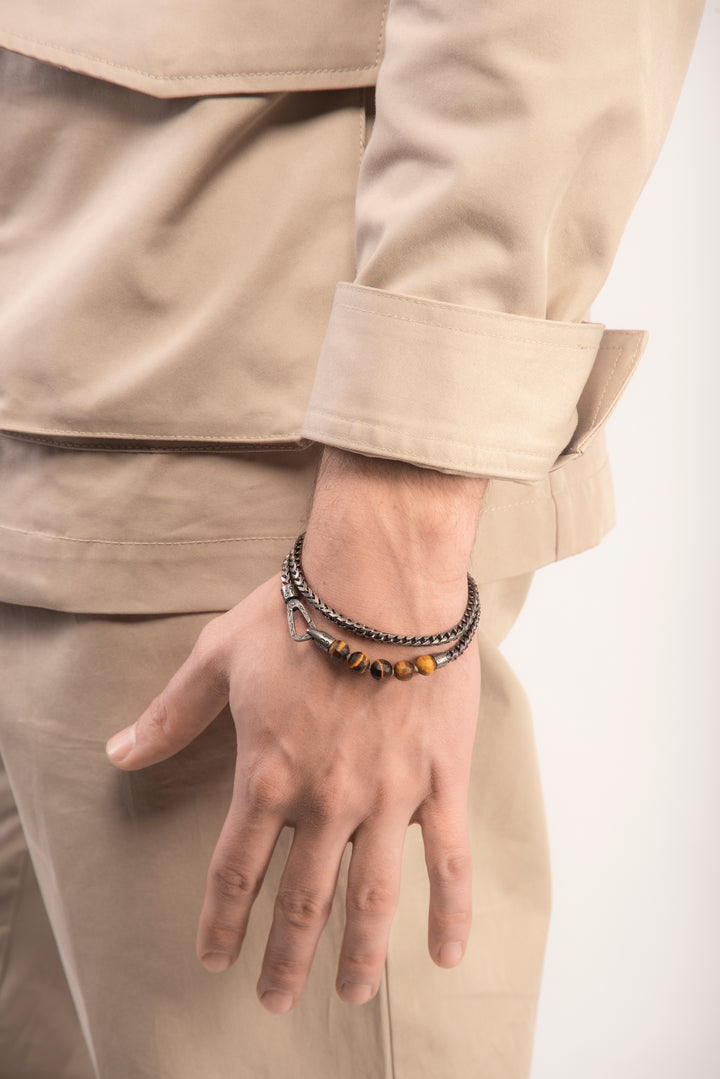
x,y
381,669
358,662
426,664
404,670
339,650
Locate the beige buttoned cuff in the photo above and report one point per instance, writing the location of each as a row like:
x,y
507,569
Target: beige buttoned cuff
x,y
463,390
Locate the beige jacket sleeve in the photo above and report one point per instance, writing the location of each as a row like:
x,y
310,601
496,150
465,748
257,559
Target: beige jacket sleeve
x,y
511,141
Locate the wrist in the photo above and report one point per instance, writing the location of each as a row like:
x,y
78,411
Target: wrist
x,y
452,641
389,542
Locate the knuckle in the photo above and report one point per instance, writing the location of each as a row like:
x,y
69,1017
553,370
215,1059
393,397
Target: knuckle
x,y
453,867
449,921
208,637
303,909
157,721
221,934
266,788
233,883
372,898
385,797
327,803
356,964
284,971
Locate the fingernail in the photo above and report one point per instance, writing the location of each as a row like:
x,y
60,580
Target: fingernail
x,y
450,954
355,993
277,1002
120,744
217,962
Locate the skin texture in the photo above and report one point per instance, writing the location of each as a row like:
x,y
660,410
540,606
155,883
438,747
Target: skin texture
x,y
348,759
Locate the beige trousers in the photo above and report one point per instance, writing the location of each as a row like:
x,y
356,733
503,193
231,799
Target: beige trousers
x,y
120,861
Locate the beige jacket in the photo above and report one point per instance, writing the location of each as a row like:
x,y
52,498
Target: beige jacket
x,y
509,143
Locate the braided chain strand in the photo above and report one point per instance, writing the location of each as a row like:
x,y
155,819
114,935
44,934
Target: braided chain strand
x,y
292,571
359,662
462,645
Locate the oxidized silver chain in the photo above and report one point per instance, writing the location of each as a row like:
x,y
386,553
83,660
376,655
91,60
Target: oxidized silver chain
x,y
293,581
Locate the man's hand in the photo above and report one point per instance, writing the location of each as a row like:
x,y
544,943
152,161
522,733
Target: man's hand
x,y
334,755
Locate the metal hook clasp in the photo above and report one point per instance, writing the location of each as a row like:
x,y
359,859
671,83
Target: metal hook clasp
x,y
294,605
312,633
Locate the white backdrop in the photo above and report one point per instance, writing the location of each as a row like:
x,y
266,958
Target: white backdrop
x,y
619,651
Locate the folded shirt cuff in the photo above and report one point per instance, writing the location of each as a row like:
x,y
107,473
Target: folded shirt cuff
x,y
461,390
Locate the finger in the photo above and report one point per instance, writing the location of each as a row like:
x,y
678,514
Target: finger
x,y
447,856
302,908
195,694
372,896
235,875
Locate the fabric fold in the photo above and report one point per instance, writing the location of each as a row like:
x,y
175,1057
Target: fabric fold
x,y
460,390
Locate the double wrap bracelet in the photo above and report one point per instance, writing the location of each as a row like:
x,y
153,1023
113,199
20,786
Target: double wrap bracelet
x,y
295,589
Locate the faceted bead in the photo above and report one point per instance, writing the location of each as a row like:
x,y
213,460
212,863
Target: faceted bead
x,y
381,669
339,650
404,670
358,662
426,664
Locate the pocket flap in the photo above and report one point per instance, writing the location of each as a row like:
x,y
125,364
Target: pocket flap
x,y
191,49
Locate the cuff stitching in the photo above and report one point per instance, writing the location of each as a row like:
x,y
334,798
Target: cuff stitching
x,y
417,301
445,440
632,359
470,333
608,380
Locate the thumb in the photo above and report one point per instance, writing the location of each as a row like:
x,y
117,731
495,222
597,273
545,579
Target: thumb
x,y
193,697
